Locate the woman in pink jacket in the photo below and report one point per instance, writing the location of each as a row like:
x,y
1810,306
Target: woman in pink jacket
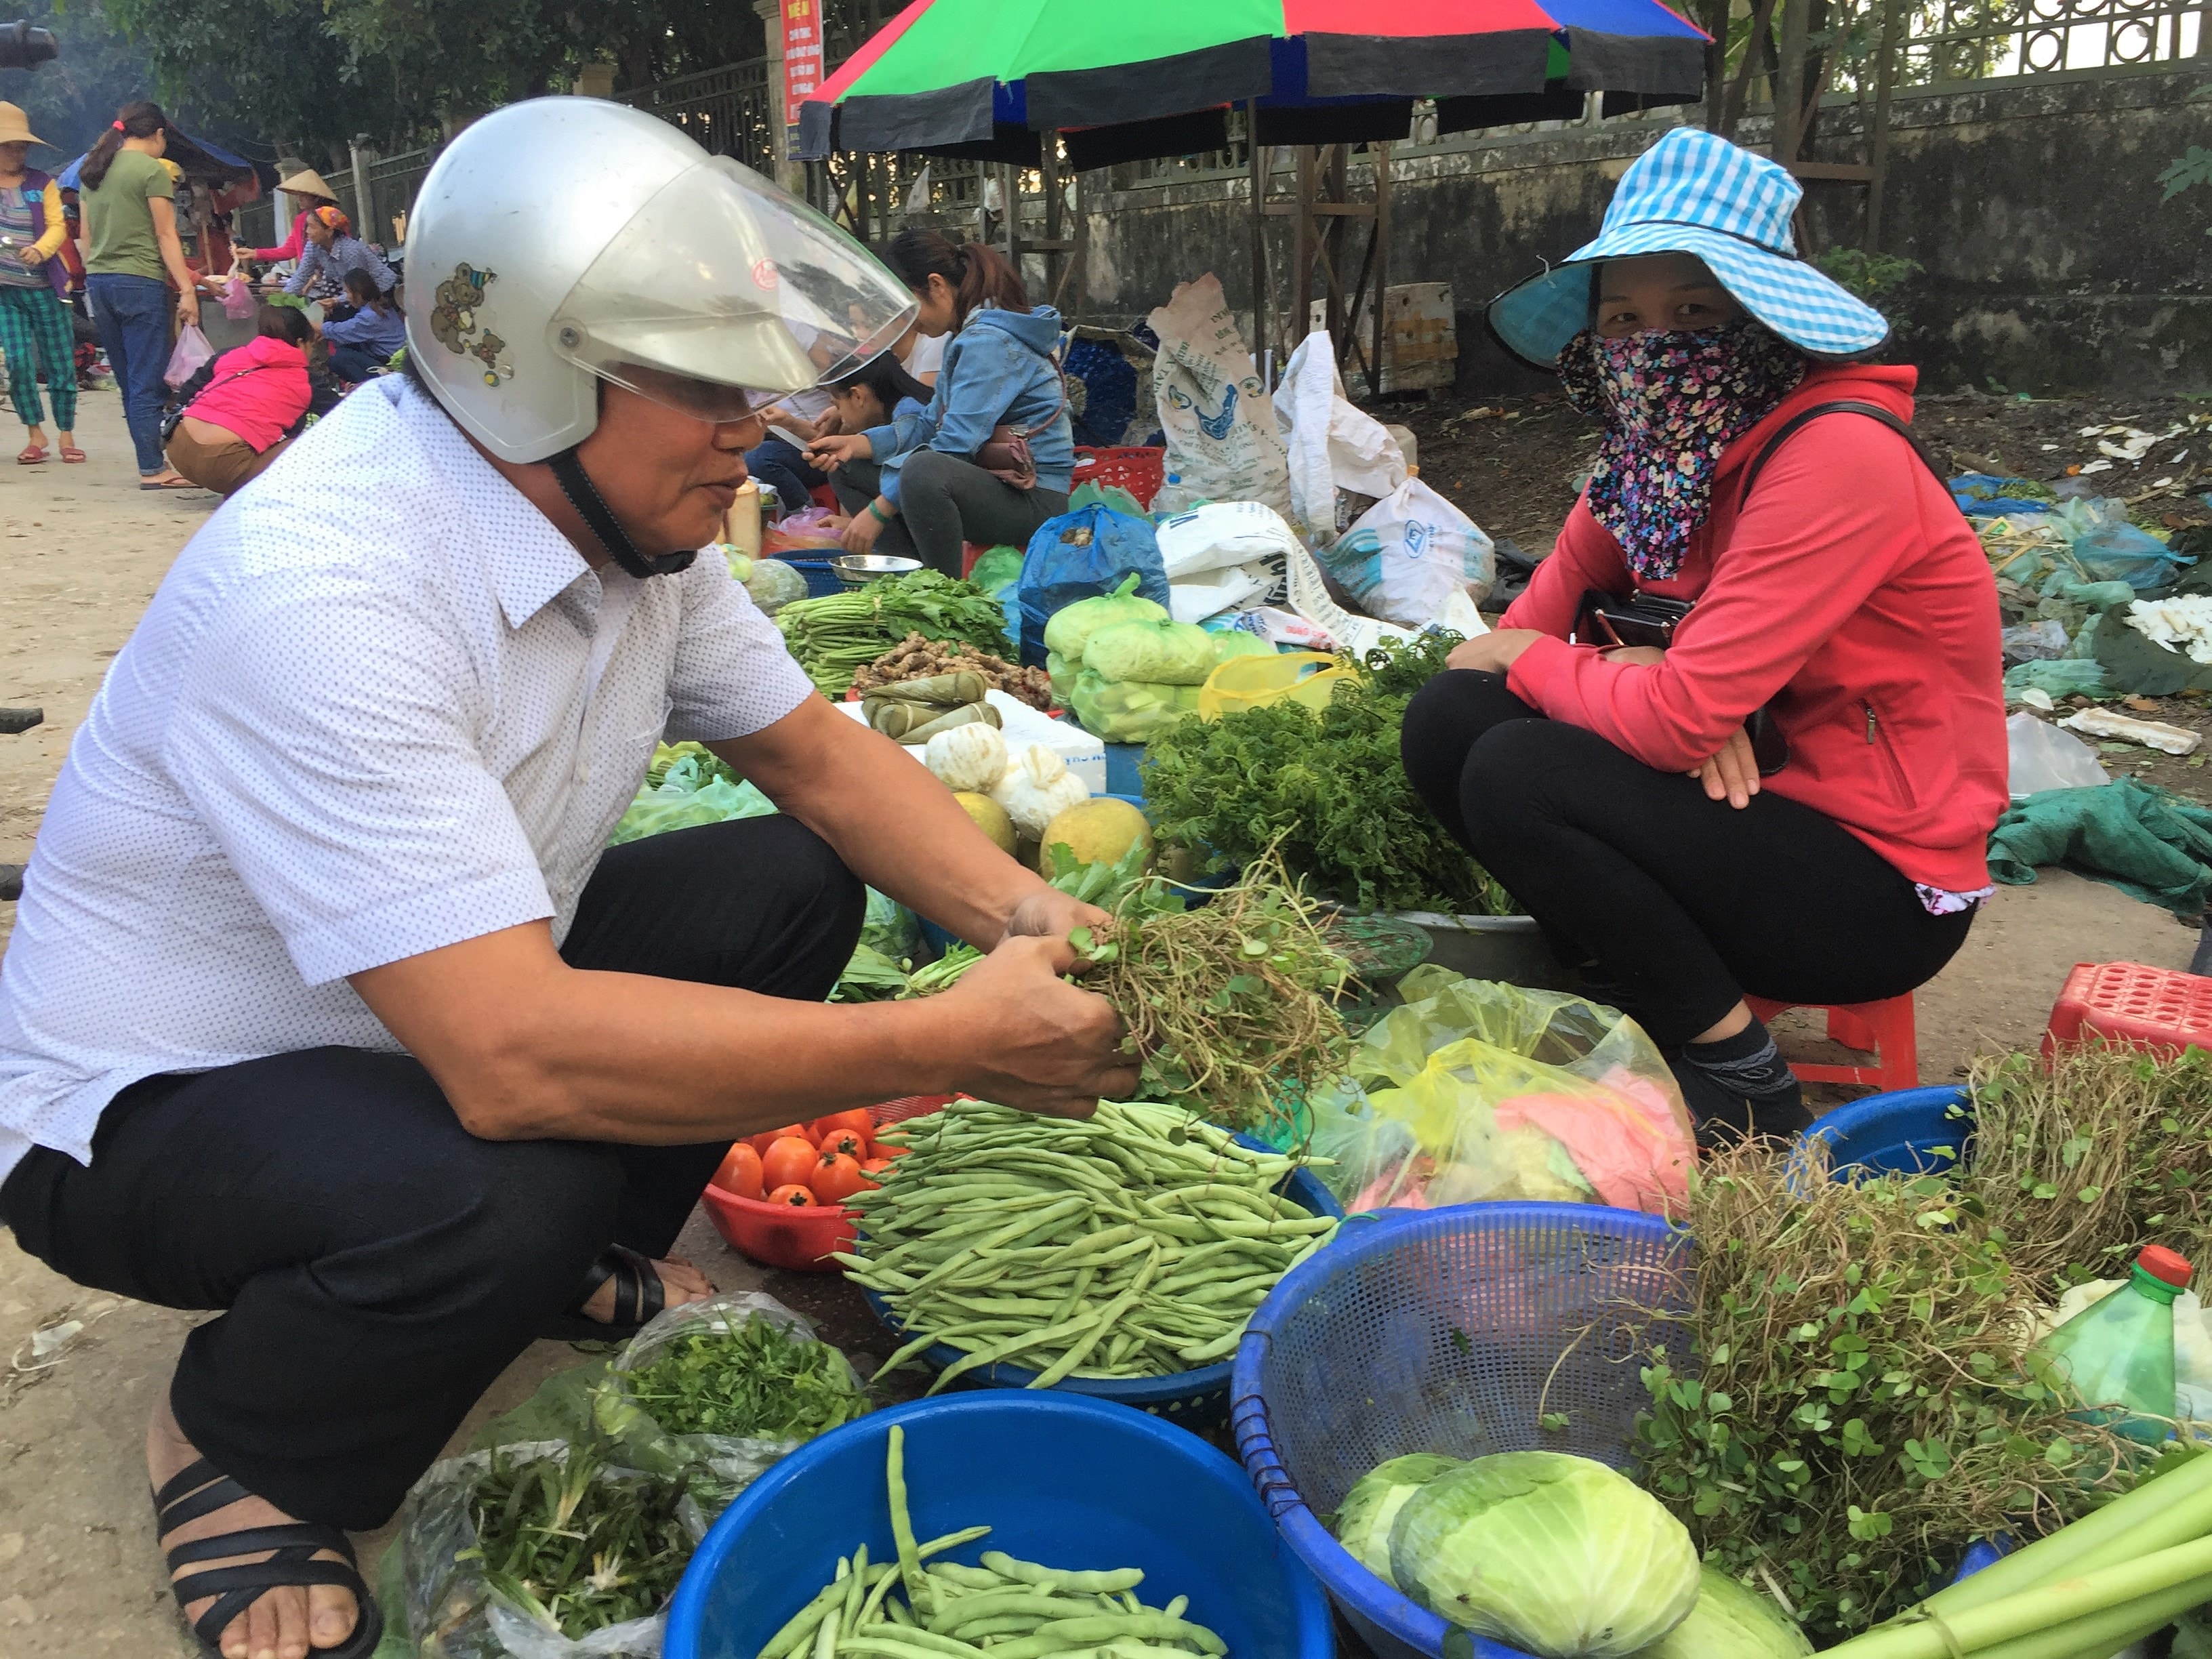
x,y
1792,797
242,419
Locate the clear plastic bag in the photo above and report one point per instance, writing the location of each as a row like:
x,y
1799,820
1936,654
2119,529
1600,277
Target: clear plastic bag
x,y
2044,757
656,811
736,1461
1476,1090
447,1604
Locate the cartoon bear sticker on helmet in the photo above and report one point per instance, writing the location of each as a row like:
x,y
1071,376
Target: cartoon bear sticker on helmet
x,y
454,320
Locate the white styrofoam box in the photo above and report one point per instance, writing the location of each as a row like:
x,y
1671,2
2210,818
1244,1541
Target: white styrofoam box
x,y
1023,725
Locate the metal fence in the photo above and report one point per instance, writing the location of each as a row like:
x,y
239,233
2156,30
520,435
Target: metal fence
x,y
393,181
729,111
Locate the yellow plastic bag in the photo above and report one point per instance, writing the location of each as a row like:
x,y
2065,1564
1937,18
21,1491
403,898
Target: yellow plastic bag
x,y
1476,1091
1308,676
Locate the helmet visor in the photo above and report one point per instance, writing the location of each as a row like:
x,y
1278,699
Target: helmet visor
x,y
723,294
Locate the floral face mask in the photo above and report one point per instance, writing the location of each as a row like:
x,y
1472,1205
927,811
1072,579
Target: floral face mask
x,y
1671,402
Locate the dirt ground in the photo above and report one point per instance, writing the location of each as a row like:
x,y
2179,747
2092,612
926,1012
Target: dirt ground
x,y
81,551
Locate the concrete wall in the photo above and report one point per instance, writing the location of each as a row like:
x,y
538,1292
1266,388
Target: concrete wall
x,y
2051,263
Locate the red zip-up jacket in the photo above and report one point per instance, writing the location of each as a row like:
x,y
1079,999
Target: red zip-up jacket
x,y
1849,595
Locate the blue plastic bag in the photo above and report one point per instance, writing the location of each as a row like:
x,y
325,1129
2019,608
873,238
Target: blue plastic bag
x,y
1986,495
1079,556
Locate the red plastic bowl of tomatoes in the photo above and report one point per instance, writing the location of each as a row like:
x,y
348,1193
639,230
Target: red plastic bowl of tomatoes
x,y
778,1197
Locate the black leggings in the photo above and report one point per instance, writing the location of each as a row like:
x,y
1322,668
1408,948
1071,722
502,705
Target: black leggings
x,y
378,1265
1681,903
944,501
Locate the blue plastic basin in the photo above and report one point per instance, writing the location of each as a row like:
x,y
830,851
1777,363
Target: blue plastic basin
x,y
1908,1130
1066,1481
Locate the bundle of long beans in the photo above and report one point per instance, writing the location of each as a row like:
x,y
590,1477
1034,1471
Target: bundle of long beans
x,y
836,636
1137,1243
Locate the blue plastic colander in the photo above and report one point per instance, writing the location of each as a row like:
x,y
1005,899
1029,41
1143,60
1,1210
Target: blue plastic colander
x,y
1447,1330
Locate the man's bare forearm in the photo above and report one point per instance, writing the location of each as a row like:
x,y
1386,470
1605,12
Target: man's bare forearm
x,y
579,1055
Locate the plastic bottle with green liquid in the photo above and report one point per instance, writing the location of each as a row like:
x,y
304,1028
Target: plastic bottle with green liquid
x,y
2118,1354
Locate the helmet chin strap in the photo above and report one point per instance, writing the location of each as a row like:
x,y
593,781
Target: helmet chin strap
x,y
576,485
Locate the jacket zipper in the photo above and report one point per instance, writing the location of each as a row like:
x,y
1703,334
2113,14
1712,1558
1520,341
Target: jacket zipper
x,y
1879,740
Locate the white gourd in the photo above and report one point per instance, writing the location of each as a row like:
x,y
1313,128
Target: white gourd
x,y
971,757
1037,787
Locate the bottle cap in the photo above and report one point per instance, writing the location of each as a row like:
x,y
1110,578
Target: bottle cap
x,y
2162,1263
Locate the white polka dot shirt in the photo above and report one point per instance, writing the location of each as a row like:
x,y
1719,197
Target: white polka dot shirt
x,y
379,705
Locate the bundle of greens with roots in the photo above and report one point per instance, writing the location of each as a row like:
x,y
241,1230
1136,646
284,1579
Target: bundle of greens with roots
x,y
1861,1401
1229,1003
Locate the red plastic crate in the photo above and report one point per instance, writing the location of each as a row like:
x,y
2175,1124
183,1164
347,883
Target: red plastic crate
x,y
1139,469
2157,1008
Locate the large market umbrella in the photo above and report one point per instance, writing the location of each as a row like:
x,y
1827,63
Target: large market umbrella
x,y
1120,79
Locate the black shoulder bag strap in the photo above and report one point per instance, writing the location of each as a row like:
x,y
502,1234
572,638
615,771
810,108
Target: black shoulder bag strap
x,y
1841,406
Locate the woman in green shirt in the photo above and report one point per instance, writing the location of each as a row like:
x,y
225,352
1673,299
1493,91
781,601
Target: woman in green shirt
x,y
130,245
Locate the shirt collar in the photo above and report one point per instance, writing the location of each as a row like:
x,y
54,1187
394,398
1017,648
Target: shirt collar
x,y
531,563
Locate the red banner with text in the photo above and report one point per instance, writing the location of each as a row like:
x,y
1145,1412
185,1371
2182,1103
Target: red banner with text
x,y
802,54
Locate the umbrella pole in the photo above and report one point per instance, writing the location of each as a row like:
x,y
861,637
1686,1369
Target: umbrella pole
x,y
1256,157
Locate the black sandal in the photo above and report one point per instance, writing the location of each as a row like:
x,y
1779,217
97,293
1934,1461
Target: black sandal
x,y
202,1489
639,1295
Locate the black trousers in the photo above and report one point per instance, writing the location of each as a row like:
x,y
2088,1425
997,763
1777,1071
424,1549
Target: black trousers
x,y
944,501
1682,903
378,1266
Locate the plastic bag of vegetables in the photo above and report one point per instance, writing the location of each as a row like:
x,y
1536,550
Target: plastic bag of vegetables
x,y
656,811
773,584
1556,1555
1127,711
1449,1103
1163,653
1071,628
497,1553
732,1383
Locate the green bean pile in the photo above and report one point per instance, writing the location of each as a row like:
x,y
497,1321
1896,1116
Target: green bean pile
x,y
1134,1244
1003,1609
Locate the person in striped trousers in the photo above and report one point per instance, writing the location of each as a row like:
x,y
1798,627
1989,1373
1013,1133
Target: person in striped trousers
x,y
34,322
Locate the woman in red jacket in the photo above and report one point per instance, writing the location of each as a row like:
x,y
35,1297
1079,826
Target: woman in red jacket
x,y
1841,613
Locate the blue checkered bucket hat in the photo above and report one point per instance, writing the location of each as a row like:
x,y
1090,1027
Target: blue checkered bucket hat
x,y
1692,192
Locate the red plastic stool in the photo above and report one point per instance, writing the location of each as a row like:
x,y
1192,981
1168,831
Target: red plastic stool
x,y
969,552
2158,1008
824,497
1882,1029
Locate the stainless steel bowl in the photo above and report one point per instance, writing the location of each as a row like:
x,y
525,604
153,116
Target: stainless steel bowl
x,y
858,570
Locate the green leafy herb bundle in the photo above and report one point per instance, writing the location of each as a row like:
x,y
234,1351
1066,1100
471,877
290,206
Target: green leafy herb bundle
x,y
1860,1403
756,1380
1325,787
574,1545
836,636
1229,1003
2080,1161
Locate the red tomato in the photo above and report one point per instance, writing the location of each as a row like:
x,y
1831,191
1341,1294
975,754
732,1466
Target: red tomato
x,y
762,1143
854,1146
836,1177
741,1171
874,1166
793,1197
860,1121
789,1162
890,1149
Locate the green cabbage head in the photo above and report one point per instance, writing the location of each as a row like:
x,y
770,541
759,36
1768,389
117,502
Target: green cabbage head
x,y
1556,1555
1731,1622
1363,1525
1070,627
